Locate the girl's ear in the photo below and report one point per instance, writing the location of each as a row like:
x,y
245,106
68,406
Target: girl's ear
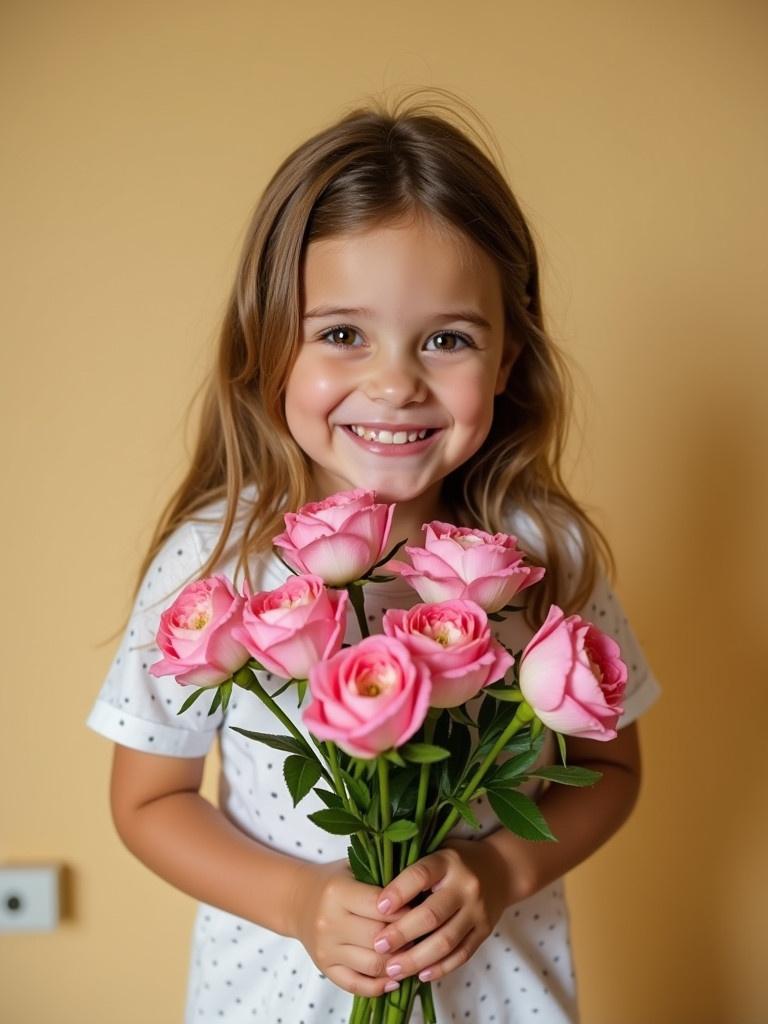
x,y
512,349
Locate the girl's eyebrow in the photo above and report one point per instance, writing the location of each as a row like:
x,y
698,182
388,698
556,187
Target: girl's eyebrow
x,y
469,316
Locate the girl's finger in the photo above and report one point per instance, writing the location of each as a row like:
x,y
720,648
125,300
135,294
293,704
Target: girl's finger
x,y
360,931
428,916
409,883
364,961
439,947
359,984
459,956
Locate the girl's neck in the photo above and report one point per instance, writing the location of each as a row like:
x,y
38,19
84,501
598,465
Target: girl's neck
x,y
409,519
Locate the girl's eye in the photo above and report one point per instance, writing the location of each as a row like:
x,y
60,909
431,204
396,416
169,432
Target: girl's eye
x,y
327,336
453,334
341,329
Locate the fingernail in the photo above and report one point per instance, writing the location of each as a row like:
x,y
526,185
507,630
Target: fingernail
x,y
381,946
384,905
391,986
425,975
394,969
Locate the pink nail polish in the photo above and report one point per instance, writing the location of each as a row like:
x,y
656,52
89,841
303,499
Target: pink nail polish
x,y
381,946
425,975
391,986
384,905
394,969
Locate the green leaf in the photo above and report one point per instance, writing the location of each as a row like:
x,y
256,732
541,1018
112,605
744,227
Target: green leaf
x,y
460,745
360,868
191,699
458,714
358,791
215,702
329,799
359,847
561,745
465,811
573,775
226,692
506,693
515,766
424,753
301,689
281,689
288,743
372,814
518,743
380,579
391,554
399,831
503,713
519,814
394,757
403,788
337,821
300,775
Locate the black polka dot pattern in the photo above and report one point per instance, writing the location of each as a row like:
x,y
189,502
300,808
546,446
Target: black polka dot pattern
x,y
241,972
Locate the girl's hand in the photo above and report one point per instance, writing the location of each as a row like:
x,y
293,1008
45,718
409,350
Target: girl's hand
x,y
469,887
336,919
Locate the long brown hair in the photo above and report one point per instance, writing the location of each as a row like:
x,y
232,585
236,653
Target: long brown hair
x,y
378,164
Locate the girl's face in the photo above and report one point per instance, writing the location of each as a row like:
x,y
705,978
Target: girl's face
x,y
403,330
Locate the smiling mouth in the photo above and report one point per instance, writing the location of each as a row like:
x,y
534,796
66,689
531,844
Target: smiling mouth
x,y
393,437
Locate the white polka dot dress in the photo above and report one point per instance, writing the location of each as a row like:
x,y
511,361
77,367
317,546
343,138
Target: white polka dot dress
x,y
241,972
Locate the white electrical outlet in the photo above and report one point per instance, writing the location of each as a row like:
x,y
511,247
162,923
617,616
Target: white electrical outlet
x,y
29,897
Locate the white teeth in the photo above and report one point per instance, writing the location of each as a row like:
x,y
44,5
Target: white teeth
x,y
387,436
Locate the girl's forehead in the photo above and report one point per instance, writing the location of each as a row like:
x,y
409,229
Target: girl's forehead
x,y
416,259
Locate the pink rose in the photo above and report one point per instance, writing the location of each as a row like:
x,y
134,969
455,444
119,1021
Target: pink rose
x,y
453,639
573,678
368,697
337,539
291,628
195,634
459,563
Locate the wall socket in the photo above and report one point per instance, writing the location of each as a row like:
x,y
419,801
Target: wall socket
x,y
29,897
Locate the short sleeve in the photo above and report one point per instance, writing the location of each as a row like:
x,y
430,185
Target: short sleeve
x,y
134,708
604,610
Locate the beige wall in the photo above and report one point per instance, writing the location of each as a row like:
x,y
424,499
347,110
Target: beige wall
x,y
136,139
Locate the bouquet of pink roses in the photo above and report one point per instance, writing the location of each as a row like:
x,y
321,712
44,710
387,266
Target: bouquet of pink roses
x,y
387,709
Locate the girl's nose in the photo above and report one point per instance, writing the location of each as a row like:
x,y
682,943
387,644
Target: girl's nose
x,y
395,380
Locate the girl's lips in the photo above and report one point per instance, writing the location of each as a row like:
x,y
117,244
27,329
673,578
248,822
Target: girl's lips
x,y
396,450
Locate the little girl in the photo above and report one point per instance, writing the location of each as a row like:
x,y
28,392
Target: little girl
x,y
385,332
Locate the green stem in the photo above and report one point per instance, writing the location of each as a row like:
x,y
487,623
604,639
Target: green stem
x,y
523,716
358,603
247,678
421,797
363,1010
386,811
427,1003
379,1007
333,760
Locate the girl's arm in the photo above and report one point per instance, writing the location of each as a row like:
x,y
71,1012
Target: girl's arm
x,y
162,819
581,819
